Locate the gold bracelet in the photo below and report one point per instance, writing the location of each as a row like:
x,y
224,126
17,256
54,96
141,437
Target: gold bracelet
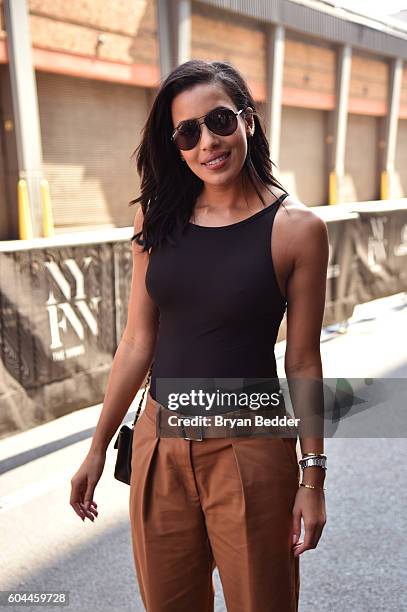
x,y
302,484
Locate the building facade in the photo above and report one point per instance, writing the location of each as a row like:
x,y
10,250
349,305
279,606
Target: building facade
x,y
331,90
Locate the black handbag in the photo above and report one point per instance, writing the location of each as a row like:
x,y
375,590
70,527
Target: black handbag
x,y
124,443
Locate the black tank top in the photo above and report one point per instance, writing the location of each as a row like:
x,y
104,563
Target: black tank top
x,y
219,302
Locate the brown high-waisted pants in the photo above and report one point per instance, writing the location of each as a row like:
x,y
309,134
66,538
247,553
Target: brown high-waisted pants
x,y
221,502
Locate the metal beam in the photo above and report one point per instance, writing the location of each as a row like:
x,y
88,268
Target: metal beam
x,y
390,137
174,33
165,37
275,69
25,105
184,31
337,176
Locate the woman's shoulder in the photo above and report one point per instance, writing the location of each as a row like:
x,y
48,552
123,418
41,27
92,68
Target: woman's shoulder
x,y
299,226
298,216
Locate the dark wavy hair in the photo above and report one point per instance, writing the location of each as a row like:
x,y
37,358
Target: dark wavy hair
x,y
169,188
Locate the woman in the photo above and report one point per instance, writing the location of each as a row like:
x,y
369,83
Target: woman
x,y
209,279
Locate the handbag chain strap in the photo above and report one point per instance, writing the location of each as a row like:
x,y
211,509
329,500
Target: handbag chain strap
x,y
143,394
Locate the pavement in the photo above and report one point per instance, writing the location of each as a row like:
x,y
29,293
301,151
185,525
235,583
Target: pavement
x,y
358,566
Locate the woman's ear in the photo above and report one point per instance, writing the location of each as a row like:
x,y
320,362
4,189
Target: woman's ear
x,y
249,118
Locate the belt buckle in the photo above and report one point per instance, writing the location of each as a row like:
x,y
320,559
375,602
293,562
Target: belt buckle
x,y
184,434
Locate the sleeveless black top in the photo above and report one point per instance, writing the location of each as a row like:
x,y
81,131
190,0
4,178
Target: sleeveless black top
x,y
219,302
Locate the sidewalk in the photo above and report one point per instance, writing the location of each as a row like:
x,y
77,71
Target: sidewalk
x,y
360,551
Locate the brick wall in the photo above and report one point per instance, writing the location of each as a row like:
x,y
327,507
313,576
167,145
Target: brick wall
x,y
368,85
129,27
2,26
220,35
309,74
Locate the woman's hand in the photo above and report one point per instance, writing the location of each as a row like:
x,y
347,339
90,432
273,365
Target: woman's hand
x,y
83,485
310,505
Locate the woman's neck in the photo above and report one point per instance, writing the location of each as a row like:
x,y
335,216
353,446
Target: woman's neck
x,y
240,195
227,205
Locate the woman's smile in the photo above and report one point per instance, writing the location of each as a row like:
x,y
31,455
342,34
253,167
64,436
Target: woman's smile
x,y
218,162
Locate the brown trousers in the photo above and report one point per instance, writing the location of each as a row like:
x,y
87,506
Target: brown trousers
x,y
220,502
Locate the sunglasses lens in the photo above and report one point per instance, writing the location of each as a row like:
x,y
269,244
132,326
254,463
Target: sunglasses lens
x,y
222,121
187,135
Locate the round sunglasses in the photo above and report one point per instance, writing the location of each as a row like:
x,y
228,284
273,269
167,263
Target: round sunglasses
x,y
221,121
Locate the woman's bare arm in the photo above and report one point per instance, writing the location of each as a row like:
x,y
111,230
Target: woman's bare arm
x,y
306,289
132,359
134,354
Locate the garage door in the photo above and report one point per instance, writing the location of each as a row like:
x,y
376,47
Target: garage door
x,y
89,129
400,187
302,160
362,172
